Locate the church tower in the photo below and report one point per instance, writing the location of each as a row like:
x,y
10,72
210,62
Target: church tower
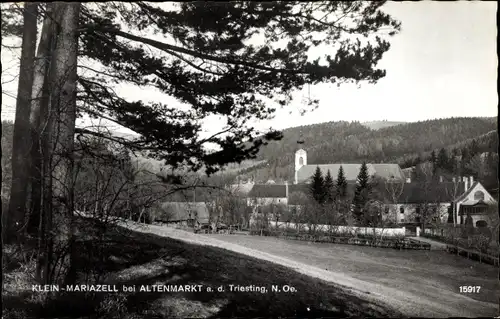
x,y
300,158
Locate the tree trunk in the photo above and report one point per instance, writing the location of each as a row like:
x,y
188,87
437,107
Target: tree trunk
x,y
38,121
15,218
62,123
38,117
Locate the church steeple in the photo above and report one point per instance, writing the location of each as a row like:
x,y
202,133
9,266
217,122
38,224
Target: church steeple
x,y
300,157
300,141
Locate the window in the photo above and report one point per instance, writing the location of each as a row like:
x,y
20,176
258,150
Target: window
x,y
386,211
301,160
402,220
478,195
402,210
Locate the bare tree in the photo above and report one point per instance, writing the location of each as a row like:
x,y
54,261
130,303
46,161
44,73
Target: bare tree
x,y
392,196
428,209
454,192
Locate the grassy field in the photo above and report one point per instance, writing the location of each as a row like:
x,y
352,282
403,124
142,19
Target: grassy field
x,y
136,258
431,275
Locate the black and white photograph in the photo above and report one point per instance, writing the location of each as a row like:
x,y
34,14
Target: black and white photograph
x,y
250,159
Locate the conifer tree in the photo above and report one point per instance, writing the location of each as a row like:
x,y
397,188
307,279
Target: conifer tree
x,y
329,187
474,148
197,53
341,184
442,161
317,187
433,160
361,194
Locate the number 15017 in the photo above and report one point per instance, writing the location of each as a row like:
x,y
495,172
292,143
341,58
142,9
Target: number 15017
x,y
470,289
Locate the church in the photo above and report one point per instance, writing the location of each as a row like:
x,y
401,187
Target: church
x,y
266,194
454,200
303,171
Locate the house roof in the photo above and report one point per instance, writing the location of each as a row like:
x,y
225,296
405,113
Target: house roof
x,y
351,171
388,171
415,193
268,191
465,194
180,211
279,191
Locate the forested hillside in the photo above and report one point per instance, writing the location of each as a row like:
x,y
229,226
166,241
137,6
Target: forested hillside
x,y
377,125
405,144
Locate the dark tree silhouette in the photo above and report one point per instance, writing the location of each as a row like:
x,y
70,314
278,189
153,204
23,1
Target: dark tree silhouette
x,y
341,184
361,194
213,68
329,187
317,187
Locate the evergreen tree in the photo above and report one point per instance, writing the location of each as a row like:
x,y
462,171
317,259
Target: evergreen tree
x,y
208,64
361,193
442,161
317,187
474,148
464,161
341,185
329,187
452,165
433,160
432,157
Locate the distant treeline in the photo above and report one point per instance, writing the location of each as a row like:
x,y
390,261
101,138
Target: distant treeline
x,y
343,142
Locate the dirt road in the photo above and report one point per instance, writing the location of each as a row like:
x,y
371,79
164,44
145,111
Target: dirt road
x,y
413,294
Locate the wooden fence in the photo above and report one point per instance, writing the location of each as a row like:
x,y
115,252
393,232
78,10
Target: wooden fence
x,y
473,255
359,241
351,230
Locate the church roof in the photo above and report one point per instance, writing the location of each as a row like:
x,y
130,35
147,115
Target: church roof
x,y
351,171
268,191
276,190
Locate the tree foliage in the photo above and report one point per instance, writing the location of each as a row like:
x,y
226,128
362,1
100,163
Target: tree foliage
x,y
214,68
329,187
205,55
341,184
317,187
361,194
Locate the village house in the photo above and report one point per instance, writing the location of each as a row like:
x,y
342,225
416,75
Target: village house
x,y
182,214
446,202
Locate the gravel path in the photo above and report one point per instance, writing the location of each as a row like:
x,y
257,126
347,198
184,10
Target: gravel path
x,y
423,304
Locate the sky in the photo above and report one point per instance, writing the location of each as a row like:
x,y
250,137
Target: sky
x,y
442,64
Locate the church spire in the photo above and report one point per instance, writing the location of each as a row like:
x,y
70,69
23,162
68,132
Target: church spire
x,y
300,157
300,141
